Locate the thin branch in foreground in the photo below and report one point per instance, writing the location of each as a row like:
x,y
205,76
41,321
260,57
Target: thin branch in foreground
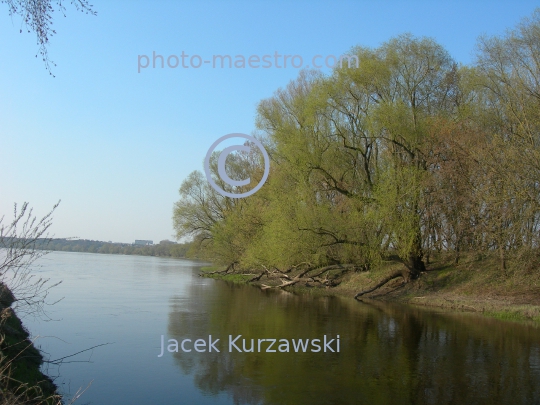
x,y
59,360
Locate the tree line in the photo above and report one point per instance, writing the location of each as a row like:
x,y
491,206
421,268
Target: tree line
x,y
408,156
163,249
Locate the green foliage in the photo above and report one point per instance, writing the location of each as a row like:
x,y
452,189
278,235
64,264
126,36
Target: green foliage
x,y
408,154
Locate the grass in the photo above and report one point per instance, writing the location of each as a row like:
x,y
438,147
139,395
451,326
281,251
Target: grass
x,y
207,269
473,285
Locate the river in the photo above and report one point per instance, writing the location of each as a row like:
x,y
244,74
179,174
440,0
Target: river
x,y
388,354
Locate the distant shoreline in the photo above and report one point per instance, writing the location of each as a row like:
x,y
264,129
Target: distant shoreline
x,y
162,249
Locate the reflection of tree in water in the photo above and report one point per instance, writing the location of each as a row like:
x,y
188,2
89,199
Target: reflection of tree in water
x,y
190,318
388,354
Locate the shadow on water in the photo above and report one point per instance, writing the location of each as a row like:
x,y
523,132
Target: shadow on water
x,y
388,354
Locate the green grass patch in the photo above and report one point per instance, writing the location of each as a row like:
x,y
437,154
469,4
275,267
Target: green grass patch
x,y
507,315
209,269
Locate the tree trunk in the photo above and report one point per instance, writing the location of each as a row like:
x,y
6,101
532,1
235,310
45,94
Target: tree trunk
x,y
503,259
415,263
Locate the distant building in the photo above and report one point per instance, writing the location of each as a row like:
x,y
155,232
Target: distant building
x,y
143,242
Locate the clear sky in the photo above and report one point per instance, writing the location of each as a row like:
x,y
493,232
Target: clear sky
x,y
115,144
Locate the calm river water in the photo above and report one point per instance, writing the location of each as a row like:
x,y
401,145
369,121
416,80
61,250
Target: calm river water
x,y
388,354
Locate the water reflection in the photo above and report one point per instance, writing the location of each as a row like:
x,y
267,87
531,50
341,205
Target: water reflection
x,y
389,354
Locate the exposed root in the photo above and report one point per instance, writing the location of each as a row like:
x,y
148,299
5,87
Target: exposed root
x,y
383,282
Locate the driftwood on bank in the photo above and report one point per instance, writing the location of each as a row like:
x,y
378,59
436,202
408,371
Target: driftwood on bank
x,y
283,274
257,278
315,276
287,281
304,276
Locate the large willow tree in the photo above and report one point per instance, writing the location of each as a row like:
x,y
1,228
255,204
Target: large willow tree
x,y
354,147
406,155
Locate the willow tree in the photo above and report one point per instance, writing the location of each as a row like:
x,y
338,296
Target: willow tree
x,y
324,181
404,155
355,145
221,227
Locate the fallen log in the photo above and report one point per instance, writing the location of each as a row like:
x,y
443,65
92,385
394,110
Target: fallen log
x,y
257,278
300,277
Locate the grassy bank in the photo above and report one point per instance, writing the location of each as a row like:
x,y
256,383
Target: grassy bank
x,y
473,285
21,381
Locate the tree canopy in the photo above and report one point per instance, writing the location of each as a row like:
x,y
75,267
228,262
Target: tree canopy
x,y
406,156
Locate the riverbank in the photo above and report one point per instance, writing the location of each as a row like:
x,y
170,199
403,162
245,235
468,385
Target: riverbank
x,y
473,285
21,380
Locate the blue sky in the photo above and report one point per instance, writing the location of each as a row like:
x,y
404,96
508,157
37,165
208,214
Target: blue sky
x,y
114,144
